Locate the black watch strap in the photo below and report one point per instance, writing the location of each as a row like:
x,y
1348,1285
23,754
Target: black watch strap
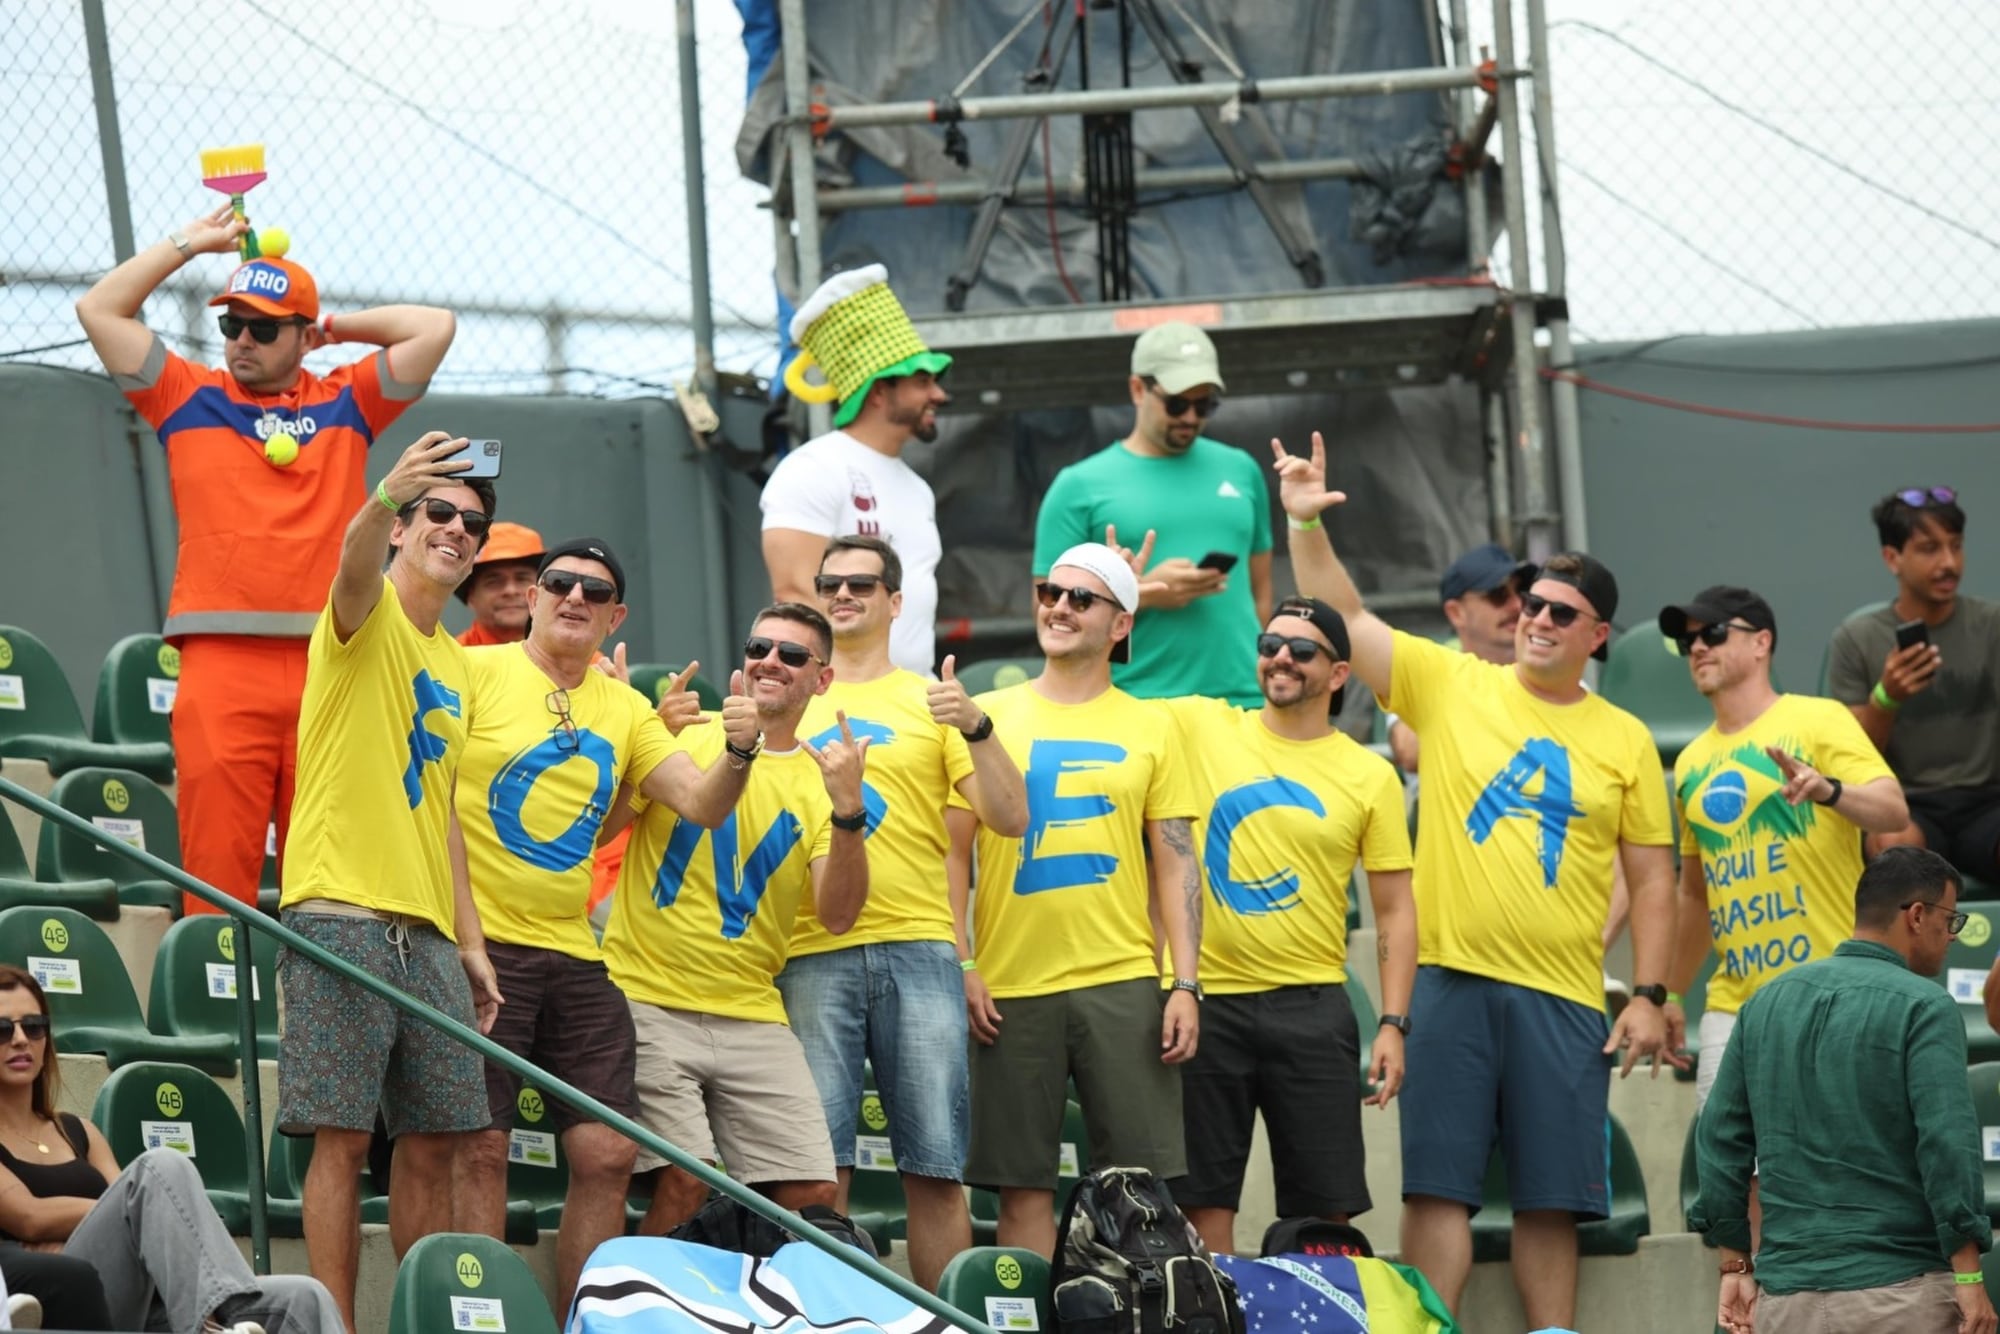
x,y
854,823
1832,798
1399,1022
742,754
1655,992
981,732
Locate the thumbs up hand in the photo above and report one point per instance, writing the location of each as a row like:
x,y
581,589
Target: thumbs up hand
x,y
950,705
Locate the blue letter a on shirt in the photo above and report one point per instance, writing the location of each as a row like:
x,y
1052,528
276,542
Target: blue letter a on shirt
x,y
1506,797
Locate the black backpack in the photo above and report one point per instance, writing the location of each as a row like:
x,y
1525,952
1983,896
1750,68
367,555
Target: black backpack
x,y
1128,1262
729,1226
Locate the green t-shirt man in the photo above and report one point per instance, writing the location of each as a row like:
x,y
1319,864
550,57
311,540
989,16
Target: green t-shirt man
x,y
1210,498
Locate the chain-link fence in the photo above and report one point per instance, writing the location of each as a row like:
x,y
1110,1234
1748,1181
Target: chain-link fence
x,y
517,161
1723,168
1794,164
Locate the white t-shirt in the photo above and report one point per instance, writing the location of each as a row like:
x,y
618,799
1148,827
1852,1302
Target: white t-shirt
x,y
836,486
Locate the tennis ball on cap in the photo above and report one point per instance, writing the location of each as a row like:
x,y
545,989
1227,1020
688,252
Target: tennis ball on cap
x,y
281,450
274,242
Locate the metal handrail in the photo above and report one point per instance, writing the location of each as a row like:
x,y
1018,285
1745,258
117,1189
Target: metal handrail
x,y
479,1042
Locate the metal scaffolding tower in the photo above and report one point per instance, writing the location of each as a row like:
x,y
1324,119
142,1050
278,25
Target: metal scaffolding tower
x,y
1314,339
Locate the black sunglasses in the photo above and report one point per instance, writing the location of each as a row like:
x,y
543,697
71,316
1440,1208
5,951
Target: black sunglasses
x,y
1179,405
1920,497
1958,919
861,585
1715,636
559,583
1303,649
34,1027
558,702
1501,596
441,512
1080,599
264,331
1562,613
758,647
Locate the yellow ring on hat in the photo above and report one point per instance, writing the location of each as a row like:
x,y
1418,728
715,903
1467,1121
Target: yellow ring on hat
x,y
803,389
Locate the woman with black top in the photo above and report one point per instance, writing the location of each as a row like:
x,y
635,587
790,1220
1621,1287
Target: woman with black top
x,y
160,1255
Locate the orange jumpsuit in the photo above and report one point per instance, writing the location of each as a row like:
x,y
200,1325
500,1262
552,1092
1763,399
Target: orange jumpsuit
x,y
259,546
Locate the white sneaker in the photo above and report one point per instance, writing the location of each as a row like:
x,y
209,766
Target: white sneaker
x,y
24,1311
241,1327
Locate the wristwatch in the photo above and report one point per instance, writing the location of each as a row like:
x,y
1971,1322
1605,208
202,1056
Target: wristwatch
x,y
1399,1022
1655,992
854,823
181,243
1737,1267
1191,986
1832,798
981,732
740,755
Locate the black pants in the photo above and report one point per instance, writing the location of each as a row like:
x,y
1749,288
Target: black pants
x,y
69,1290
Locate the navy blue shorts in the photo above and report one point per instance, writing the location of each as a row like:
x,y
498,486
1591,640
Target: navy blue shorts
x,y
1491,1062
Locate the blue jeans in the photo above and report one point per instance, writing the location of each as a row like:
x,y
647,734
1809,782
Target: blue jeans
x,y
901,1006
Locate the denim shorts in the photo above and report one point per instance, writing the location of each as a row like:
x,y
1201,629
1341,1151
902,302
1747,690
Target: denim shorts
x,y
901,1006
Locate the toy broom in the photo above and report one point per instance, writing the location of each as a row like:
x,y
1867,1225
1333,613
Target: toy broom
x,y
234,171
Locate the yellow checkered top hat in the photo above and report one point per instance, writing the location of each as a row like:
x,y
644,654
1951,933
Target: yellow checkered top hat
x,y
856,331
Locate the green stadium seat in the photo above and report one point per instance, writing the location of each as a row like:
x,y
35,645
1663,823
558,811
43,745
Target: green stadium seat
x,y
156,1104
1072,1162
1493,1225
1983,1080
1645,676
1966,964
135,695
39,719
997,673
652,678
194,983
444,1274
127,805
537,1171
93,898
1367,1021
1693,1001
1005,1286
875,1200
90,995
285,1183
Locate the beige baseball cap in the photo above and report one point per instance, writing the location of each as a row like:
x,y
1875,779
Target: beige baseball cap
x,y
1177,356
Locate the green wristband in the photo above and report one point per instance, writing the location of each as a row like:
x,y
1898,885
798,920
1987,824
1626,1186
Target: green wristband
x,y
1881,697
1301,525
1967,1280
382,494
1673,998
967,965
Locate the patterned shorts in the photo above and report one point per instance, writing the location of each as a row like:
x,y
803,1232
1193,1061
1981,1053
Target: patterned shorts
x,y
346,1051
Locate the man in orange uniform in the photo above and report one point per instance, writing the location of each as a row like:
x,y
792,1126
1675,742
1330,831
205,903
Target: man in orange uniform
x,y
497,589
266,463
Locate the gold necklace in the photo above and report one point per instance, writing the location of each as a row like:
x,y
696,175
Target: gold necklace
x,y
36,1139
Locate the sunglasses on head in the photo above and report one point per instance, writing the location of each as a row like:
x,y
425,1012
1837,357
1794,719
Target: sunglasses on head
x,y
442,512
861,585
1179,405
1562,613
558,702
1080,599
597,592
758,647
1303,649
1715,636
264,331
34,1027
1921,497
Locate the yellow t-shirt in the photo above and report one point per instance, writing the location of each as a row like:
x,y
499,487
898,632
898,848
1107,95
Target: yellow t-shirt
x,y
1066,907
914,765
381,729
702,919
1525,804
1283,823
531,800
1780,877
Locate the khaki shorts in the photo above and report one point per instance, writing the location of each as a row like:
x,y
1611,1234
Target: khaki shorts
x,y
1108,1039
1927,1304
733,1091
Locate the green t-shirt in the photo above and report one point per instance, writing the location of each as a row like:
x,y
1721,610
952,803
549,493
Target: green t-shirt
x,y
1212,498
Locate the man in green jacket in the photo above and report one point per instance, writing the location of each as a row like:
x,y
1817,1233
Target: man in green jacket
x,y
1844,1089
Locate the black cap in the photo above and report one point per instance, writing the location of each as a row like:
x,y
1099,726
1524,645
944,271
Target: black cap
x,y
1717,604
1330,624
589,548
1591,579
1481,570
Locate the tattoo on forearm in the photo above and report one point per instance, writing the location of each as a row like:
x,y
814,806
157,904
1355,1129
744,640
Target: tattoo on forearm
x,y
1179,835
1382,951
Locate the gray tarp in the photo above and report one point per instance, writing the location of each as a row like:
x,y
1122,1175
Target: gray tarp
x,y
1415,456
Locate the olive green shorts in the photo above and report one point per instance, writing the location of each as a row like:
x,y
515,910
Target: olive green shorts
x,y
1107,1038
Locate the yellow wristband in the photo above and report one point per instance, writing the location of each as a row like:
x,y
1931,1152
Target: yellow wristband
x,y
382,494
1880,695
967,965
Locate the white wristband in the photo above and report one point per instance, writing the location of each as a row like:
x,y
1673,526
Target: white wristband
x,y
326,327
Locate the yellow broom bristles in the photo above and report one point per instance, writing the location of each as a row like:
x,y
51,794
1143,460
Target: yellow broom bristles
x,y
232,170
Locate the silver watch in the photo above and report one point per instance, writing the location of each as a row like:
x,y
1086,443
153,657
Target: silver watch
x,y
182,244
